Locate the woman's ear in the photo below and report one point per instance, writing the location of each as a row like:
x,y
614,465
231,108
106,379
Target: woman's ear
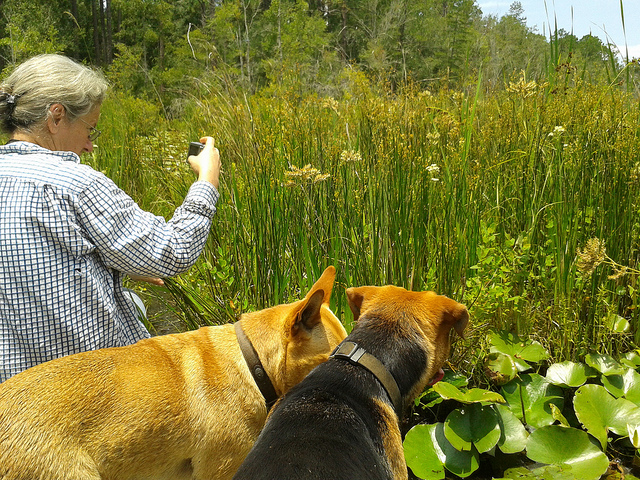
x,y
54,117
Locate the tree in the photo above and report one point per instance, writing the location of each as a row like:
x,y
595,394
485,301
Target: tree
x,y
507,45
293,42
29,28
232,36
437,37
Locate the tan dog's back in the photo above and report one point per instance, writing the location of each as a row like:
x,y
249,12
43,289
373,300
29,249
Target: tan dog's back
x,y
173,407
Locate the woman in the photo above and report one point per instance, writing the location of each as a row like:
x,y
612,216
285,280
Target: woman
x,y
67,233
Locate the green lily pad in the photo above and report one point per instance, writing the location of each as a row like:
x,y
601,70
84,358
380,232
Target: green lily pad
x,y
617,324
568,374
475,425
474,395
558,445
430,397
558,416
513,435
422,454
500,368
521,365
605,364
626,385
511,344
423,440
633,431
631,359
600,412
546,472
529,398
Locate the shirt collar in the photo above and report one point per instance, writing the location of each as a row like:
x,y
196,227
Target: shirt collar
x,y
22,147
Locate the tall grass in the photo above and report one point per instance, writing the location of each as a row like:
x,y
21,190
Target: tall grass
x,y
481,195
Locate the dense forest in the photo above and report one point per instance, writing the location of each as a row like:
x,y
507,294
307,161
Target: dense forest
x,y
154,47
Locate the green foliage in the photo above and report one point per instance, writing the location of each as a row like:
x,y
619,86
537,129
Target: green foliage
x,y
567,447
428,453
298,45
486,198
530,397
28,30
126,72
475,427
413,143
576,416
568,374
599,412
449,391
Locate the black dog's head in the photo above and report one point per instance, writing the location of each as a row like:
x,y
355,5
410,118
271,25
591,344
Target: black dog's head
x,y
424,318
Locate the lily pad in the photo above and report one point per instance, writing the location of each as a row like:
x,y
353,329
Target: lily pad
x,y
558,416
604,363
474,395
600,412
626,385
500,368
430,397
568,374
529,398
513,435
475,425
423,440
510,344
422,453
558,445
617,324
633,431
546,472
631,359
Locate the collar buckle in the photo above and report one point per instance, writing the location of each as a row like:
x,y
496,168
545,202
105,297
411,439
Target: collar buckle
x,y
354,353
349,351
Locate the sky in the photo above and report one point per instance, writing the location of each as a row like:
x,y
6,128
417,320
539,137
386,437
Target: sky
x,y
601,18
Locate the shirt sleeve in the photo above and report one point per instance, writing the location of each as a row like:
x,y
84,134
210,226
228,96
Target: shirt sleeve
x,y
132,240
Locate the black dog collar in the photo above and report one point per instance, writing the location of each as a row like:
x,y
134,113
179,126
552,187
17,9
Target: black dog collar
x,y
352,352
255,367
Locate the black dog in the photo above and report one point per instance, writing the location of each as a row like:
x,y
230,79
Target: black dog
x,y
342,420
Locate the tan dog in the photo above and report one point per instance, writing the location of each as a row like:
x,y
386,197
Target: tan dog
x,y
182,406
342,421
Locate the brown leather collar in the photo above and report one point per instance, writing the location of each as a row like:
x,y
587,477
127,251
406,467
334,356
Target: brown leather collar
x,y
255,367
352,352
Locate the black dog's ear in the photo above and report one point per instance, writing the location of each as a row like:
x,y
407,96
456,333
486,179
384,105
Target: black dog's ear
x,y
455,315
355,296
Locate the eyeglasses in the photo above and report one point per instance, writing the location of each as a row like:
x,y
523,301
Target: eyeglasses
x,y
94,133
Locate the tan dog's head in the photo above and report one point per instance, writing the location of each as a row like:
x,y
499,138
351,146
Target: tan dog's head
x,y
398,310
292,339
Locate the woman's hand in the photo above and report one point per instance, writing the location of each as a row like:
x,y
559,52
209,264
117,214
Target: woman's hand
x,y
152,280
207,163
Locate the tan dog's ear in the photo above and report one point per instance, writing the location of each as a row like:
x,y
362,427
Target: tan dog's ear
x,y
309,315
325,283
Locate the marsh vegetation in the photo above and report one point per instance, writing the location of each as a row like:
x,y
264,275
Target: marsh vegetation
x,y
415,143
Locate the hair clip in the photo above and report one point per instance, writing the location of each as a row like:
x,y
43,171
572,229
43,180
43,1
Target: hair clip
x,y
11,101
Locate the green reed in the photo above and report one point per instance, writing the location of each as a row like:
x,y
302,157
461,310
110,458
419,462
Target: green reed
x,y
481,195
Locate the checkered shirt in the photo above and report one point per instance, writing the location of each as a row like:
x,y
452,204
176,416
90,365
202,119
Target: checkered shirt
x,y
67,234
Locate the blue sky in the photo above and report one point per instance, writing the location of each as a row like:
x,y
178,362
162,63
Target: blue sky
x,y
601,18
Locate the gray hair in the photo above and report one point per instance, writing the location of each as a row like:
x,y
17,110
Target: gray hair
x,y
41,81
